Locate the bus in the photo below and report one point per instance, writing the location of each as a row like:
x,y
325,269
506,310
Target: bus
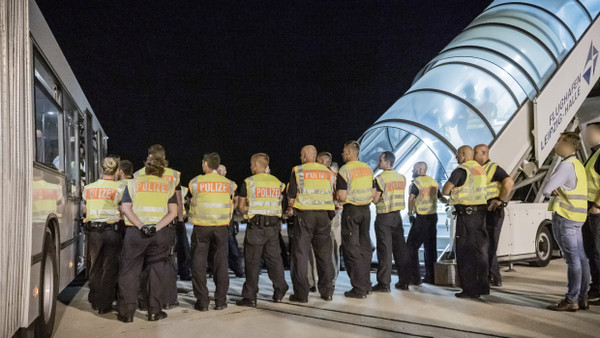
x,y
52,146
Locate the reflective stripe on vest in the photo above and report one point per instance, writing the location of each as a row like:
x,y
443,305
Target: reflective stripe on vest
x,y
264,195
211,200
593,178
426,201
393,186
150,198
473,191
359,177
102,201
572,204
493,188
314,187
171,175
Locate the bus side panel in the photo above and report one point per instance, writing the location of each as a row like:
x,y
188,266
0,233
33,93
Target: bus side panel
x,y
69,240
34,296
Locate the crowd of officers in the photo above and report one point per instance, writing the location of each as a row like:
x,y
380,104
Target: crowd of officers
x,y
136,263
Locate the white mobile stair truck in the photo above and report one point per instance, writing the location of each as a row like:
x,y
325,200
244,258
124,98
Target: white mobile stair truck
x,y
514,79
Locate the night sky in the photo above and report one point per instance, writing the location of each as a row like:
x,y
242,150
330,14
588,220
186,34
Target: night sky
x,y
239,77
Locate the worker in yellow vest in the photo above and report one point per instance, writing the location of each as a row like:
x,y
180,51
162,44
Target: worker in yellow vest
x,y
424,193
212,201
591,227
101,205
567,188
388,196
149,205
467,188
354,189
260,198
499,187
181,242
310,202
325,158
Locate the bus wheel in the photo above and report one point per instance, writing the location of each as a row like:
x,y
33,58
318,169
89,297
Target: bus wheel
x,y
48,289
543,247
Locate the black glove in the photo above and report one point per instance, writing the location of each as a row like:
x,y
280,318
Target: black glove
x,y
149,230
412,219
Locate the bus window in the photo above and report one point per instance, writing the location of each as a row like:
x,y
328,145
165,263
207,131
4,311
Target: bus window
x,y
48,130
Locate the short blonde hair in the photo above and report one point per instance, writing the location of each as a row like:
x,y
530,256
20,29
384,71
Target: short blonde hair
x,y
261,159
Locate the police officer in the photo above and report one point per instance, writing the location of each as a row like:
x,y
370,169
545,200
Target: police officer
x,y
260,201
591,228
354,190
310,199
101,205
150,205
182,242
326,159
499,186
422,210
212,207
467,190
178,233
388,197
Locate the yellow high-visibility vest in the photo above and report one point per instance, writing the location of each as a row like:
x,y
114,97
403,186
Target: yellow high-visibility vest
x,y
211,200
493,188
393,186
426,200
171,175
359,177
45,200
572,204
315,185
102,201
150,198
473,191
593,179
264,195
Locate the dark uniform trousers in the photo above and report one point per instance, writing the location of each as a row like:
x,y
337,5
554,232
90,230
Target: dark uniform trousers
x,y
170,287
422,232
312,227
390,242
137,252
591,244
356,243
104,250
203,238
184,257
472,249
170,276
262,241
493,224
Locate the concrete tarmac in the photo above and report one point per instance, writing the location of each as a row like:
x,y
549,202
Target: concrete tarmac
x,y
518,309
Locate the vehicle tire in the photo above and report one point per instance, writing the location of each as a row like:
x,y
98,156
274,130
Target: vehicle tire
x,y
543,246
48,289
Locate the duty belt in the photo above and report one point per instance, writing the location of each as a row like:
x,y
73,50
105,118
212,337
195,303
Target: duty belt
x,y
100,226
264,221
469,209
